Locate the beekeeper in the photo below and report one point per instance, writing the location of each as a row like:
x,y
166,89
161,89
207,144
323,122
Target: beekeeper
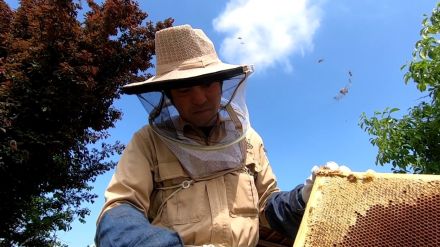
x,y
197,174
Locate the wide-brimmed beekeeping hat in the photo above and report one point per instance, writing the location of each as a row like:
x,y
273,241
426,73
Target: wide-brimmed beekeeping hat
x,y
185,57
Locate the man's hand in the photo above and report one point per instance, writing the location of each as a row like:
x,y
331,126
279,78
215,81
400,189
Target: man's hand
x,y
308,184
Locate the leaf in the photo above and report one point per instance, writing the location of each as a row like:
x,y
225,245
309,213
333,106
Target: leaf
x,y
394,110
421,87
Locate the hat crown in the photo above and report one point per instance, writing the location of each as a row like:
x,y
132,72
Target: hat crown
x,y
182,45
187,56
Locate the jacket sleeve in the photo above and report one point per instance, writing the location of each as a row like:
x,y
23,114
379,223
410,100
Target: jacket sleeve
x,y
132,181
124,225
265,180
284,211
123,220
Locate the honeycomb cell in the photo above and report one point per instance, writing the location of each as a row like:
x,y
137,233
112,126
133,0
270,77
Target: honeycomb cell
x,y
389,210
397,225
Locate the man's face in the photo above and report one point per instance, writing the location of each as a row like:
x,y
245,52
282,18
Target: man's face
x,y
198,105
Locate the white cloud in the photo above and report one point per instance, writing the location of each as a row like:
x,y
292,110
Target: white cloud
x,y
265,33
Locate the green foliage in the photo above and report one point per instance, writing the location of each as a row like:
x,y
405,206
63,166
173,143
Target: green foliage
x,y
412,143
58,81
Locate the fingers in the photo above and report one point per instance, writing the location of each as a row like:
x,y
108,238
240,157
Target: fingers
x,y
331,165
314,169
344,169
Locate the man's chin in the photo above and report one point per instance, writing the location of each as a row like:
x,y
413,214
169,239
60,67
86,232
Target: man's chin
x,y
201,124
205,122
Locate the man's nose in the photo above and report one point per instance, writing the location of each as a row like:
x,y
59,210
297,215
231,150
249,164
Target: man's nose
x,y
198,95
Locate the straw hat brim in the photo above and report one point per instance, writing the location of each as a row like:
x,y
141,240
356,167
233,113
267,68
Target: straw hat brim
x,y
186,78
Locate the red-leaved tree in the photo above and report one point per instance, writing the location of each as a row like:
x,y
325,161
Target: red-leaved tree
x,y
58,79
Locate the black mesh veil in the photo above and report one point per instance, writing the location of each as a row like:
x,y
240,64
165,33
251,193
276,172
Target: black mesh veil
x,y
233,115
202,156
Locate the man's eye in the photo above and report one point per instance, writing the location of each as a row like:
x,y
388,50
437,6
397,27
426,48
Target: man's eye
x,y
207,85
183,90
210,84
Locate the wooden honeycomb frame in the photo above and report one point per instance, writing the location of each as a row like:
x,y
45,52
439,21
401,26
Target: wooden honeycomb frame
x,y
372,209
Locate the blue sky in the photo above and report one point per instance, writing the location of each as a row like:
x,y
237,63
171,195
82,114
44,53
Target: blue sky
x,y
290,97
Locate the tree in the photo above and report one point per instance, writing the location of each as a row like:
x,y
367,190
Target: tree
x,y
59,78
412,143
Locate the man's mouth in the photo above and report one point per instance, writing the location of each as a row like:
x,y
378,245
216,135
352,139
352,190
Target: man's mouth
x,y
202,111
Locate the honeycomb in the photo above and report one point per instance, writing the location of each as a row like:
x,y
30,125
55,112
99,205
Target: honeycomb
x,y
372,209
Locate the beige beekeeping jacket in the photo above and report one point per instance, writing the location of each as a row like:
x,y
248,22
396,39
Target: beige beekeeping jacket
x,y
224,210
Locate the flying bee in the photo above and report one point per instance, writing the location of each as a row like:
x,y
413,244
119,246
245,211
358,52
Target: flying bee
x,y
344,90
